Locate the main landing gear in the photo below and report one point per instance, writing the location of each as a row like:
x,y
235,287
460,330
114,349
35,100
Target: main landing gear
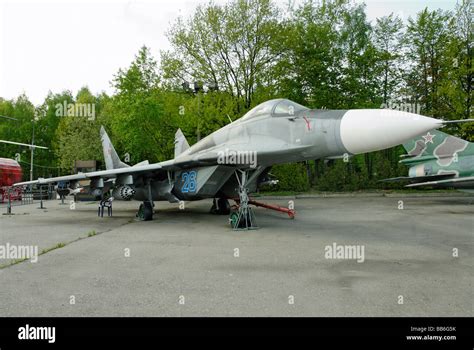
x,y
145,211
220,206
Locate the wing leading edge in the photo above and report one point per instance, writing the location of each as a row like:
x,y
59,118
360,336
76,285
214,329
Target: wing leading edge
x,y
105,174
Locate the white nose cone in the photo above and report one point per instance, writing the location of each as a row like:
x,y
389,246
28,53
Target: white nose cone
x,y
368,130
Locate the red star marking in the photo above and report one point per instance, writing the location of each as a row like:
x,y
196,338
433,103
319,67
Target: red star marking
x,y
428,138
307,123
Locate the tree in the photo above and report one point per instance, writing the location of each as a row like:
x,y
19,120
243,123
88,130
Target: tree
x,y
134,115
78,135
388,41
361,66
46,132
456,90
426,38
19,129
232,46
310,71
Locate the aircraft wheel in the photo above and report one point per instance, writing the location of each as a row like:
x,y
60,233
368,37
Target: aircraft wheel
x,y
145,212
220,206
236,223
214,207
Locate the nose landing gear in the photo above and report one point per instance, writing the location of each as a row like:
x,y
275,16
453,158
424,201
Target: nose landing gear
x,y
243,218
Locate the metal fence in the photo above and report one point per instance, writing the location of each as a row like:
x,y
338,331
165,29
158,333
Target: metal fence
x,y
11,196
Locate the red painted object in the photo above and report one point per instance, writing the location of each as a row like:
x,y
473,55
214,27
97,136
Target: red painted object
x,y
291,212
10,173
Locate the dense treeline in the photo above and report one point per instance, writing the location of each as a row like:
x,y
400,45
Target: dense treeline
x,y
321,54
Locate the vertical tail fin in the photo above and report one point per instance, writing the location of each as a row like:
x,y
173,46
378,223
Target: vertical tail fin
x,y
112,160
180,143
437,143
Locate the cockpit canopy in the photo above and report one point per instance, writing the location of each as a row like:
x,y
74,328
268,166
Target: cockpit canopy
x,y
276,108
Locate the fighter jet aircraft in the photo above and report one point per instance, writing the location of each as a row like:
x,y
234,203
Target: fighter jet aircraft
x,y
234,160
439,160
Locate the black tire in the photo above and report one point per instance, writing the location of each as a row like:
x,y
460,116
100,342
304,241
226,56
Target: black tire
x,y
214,207
145,212
220,206
234,216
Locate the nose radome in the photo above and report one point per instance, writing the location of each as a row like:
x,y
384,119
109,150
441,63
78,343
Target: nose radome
x,y
368,130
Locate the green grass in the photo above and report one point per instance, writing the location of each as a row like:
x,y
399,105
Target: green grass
x,y
57,246
14,262
44,251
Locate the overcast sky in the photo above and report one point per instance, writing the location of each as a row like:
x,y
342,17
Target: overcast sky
x,y
58,45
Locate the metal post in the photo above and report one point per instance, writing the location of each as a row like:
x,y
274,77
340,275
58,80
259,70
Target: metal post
x,y
198,133
41,198
32,150
9,205
150,196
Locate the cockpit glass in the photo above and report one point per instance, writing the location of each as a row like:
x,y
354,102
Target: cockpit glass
x,y
278,107
263,108
287,108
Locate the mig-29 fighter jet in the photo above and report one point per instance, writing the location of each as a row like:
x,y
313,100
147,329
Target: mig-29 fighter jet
x,y
233,161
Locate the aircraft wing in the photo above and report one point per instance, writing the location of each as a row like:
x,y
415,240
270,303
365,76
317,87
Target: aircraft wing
x,y
454,182
105,174
147,170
